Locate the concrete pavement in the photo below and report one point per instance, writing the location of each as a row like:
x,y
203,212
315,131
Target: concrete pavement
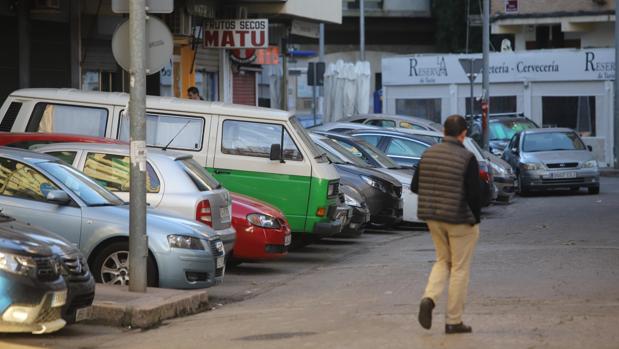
x,y
544,276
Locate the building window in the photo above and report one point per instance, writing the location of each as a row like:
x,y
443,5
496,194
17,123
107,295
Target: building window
x,y
99,80
551,36
369,4
207,83
577,113
498,105
429,108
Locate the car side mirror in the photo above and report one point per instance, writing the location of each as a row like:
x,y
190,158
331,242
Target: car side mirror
x,y
514,150
590,148
276,152
59,197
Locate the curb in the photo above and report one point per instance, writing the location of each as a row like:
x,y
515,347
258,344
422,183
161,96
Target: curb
x,y
149,309
609,173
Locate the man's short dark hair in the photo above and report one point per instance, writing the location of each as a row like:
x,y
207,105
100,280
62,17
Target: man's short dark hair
x,y
454,125
194,90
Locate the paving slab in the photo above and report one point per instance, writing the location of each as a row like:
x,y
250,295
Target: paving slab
x,y
116,306
609,172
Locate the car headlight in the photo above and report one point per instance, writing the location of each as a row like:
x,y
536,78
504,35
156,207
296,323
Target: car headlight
x,y
374,183
16,264
263,221
590,164
498,170
533,166
186,242
350,201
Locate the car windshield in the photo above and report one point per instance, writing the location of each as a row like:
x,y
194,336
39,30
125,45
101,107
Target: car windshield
x,y
302,132
504,130
85,188
338,154
359,146
202,179
551,141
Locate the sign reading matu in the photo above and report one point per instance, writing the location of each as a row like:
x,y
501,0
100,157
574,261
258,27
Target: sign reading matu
x,y
236,33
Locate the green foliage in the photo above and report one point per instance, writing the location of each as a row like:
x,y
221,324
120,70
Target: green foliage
x,y
450,17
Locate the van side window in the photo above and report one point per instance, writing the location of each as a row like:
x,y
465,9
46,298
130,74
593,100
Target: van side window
x,y
255,139
10,116
112,172
48,117
161,129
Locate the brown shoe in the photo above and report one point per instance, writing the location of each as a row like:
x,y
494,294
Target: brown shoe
x,y
425,312
458,328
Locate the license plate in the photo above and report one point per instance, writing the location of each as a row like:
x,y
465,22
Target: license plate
x,y
59,299
220,262
224,213
82,314
564,175
287,240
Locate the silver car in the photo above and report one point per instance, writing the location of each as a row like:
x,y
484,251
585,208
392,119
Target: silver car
x,y
175,183
41,190
395,121
552,158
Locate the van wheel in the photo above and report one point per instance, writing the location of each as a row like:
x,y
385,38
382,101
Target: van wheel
x,y
594,190
111,266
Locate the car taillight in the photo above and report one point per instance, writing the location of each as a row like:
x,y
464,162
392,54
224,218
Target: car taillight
x,y
484,176
203,213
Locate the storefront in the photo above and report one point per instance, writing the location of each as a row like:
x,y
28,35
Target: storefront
x,y
563,88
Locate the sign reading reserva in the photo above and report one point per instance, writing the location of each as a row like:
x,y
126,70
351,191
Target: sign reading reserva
x,y
236,33
542,65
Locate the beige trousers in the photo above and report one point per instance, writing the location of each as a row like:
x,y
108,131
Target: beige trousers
x,y
454,245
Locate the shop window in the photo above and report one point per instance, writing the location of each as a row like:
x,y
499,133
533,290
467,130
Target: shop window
x,y
498,105
58,118
429,108
255,139
112,172
206,82
577,113
183,132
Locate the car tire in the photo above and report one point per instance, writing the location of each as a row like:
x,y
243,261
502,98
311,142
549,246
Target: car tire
x,y
594,190
120,250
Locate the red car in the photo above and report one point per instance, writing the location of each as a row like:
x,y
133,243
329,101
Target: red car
x,y
27,139
262,231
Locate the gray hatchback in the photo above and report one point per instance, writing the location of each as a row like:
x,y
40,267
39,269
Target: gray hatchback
x,y
552,158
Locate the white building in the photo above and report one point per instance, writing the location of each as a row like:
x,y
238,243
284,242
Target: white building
x,y
564,87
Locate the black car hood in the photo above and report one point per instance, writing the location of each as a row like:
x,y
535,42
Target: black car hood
x,y
34,240
369,172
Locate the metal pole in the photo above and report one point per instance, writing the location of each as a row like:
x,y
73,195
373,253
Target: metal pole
x,y
314,100
284,87
138,241
321,43
616,99
362,30
485,77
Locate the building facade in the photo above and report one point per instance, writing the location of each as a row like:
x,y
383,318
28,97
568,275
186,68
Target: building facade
x,y
542,24
67,43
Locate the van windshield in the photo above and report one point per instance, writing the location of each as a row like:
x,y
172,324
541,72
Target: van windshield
x,y
302,132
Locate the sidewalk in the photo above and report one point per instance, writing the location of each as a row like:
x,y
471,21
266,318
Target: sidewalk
x,y
116,306
609,172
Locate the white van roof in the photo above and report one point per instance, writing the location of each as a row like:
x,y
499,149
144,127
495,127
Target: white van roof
x,y
152,102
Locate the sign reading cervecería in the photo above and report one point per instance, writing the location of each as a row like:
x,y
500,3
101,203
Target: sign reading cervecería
x,y
546,65
236,33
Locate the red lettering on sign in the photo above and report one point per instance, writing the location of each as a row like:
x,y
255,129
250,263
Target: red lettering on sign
x,y
242,34
211,38
227,39
255,42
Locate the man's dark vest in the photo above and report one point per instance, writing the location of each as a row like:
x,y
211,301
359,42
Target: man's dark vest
x,y
441,183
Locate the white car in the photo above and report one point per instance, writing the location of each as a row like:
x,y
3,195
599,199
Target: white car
x,y
175,183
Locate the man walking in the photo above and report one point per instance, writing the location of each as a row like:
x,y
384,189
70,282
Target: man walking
x,y
447,182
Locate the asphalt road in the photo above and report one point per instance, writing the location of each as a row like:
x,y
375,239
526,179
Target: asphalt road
x,y
545,275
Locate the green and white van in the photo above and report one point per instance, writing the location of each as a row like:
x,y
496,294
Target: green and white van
x,y
263,153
